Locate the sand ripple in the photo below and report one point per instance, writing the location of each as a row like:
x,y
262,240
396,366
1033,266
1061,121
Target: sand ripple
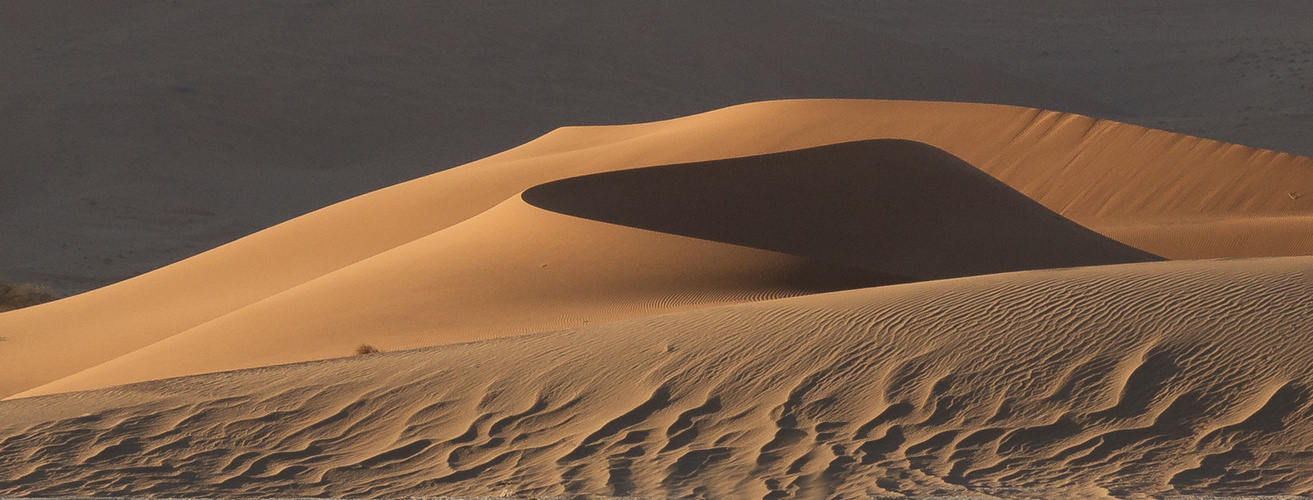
x,y
1158,378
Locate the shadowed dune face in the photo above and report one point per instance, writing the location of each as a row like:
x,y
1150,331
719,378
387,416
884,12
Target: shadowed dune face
x,y
670,240
1115,178
1155,379
643,242
895,206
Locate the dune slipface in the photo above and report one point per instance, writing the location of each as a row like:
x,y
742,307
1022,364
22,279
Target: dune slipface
x,y
1156,378
639,242
894,206
1126,182
783,299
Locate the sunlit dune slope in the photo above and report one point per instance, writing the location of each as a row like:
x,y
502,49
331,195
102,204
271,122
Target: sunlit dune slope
x,y
512,270
1202,238
1104,175
834,217
1152,379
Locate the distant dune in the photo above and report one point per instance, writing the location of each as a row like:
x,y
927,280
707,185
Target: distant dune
x,y
1156,379
1221,69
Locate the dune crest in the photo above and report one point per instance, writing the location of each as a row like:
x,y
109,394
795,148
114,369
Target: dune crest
x,y
836,217
1153,379
513,270
1103,175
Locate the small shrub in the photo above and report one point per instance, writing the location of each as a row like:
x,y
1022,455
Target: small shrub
x,y
23,295
364,349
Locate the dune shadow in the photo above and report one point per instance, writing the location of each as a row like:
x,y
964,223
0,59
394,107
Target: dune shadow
x,y
893,207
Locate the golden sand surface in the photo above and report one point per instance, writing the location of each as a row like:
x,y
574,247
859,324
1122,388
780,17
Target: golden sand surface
x,y
784,299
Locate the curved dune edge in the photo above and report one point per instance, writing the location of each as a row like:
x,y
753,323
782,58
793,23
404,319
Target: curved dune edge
x,y
892,206
1085,169
1140,379
513,270
835,217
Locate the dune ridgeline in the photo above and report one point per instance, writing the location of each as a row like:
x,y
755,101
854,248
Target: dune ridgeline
x,y
784,299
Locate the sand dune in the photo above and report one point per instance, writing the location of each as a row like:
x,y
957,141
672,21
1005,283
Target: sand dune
x,y
1201,239
512,270
659,294
1215,68
137,135
1104,175
1147,379
804,298
835,217
130,130
897,207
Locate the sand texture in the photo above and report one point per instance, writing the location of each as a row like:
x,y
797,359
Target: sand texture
x,y
459,255
765,249
784,299
1153,378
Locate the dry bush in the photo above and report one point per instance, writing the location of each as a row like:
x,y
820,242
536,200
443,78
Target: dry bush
x,y
364,349
23,295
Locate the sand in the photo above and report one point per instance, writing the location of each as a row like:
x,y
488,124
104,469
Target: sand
x,y
1155,378
1008,272
1097,173
659,310
1219,69
134,136
793,228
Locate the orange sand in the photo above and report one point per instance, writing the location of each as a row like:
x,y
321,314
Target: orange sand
x,y
631,271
